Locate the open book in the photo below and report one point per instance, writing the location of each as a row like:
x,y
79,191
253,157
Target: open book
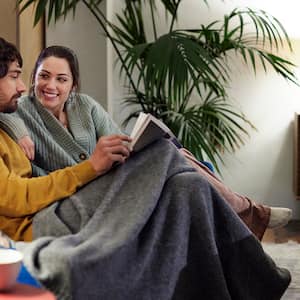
x,y
146,130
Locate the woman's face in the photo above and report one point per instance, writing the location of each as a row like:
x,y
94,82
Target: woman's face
x,y
53,83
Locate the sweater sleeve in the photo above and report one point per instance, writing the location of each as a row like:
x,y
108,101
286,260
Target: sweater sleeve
x,y
24,196
13,125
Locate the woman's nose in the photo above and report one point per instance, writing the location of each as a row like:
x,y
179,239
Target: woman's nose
x,y
51,83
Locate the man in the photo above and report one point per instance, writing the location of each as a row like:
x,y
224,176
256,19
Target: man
x,y
21,195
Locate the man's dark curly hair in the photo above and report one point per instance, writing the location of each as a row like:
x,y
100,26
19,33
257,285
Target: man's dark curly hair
x,y
8,54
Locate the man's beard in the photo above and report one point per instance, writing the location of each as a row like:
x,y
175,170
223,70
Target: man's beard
x,y
10,110
12,105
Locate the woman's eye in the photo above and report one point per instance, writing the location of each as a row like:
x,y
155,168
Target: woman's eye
x,y
62,80
14,75
43,76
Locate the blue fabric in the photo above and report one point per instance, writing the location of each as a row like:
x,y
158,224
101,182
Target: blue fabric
x,y
26,278
209,165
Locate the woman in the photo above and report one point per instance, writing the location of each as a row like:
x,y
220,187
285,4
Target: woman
x,y
67,124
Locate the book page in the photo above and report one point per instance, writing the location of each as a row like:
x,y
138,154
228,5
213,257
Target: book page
x,y
138,124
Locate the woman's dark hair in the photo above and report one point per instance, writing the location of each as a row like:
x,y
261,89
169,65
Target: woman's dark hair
x,y
59,52
8,54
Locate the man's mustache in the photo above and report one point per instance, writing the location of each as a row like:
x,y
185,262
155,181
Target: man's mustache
x,y
17,96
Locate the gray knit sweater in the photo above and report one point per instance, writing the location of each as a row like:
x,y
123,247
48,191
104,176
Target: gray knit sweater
x,y
55,146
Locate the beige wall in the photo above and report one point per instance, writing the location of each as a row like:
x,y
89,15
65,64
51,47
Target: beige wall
x,y
19,30
31,41
8,20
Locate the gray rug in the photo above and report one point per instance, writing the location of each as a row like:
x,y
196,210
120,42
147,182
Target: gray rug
x,y
287,255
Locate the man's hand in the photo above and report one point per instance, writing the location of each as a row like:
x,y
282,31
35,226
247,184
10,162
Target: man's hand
x,y
110,149
27,146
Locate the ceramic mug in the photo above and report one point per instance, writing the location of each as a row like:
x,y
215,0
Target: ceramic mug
x,y
10,265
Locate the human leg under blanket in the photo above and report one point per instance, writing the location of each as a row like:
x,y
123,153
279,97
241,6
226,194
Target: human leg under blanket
x,y
157,230
257,217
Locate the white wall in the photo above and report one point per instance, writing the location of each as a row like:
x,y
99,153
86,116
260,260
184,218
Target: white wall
x,y
263,168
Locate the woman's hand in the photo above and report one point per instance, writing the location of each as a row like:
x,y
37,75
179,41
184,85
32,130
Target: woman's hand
x,y
109,150
27,146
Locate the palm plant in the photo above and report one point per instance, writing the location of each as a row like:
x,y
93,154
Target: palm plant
x,y
181,75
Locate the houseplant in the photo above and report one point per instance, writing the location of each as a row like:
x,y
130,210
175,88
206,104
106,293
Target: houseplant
x,y
181,75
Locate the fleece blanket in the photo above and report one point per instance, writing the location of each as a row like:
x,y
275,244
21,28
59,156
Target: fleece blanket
x,y
152,228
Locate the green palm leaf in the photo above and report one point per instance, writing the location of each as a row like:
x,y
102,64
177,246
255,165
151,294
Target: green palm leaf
x,y
55,8
172,62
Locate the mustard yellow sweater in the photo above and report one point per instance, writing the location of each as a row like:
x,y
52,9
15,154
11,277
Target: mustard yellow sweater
x,y
21,195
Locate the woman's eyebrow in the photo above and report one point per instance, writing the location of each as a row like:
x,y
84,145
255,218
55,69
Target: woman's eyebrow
x,y
64,74
44,71
59,74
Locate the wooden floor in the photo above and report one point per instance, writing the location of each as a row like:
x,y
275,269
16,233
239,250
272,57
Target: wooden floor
x,y
284,234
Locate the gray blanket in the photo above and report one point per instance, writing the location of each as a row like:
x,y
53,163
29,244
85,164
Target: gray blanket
x,y
152,228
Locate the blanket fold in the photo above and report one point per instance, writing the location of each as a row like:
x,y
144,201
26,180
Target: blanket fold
x,y
152,228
